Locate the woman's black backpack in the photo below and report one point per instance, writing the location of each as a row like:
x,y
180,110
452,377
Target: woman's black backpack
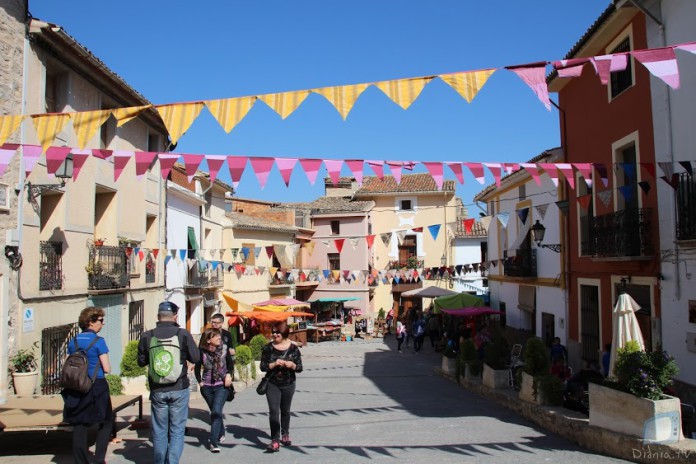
x,y
75,373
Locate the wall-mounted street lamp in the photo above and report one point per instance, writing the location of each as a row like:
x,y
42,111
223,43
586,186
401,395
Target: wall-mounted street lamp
x,y
64,172
538,232
443,260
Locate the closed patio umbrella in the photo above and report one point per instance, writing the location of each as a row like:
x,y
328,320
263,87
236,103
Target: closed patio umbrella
x,y
428,292
626,328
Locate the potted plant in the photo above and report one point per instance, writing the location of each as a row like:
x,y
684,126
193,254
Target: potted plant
x,y
133,377
635,403
536,365
496,360
468,363
25,374
98,242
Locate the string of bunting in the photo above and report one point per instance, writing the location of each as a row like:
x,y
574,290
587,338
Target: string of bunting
x,y
178,117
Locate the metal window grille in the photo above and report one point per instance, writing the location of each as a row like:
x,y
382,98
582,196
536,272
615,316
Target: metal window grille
x,y
107,268
54,348
51,266
686,207
136,311
150,269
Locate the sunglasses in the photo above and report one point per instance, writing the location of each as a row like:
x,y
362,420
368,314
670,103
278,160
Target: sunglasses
x,y
276,332
216,322
101,319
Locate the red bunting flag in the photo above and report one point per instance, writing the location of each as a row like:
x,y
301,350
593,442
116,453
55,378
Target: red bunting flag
x,y
370,240
339,243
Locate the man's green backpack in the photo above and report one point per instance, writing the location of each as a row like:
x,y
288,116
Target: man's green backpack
x,y
165,364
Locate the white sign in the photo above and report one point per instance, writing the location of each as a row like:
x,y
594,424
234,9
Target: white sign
x,y
28,320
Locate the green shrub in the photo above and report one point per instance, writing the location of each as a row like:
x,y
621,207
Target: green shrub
x,y
496,353
243,355
551,388
380,313
115,384
645,374
536,357
129,362
467,354
476,367
256,344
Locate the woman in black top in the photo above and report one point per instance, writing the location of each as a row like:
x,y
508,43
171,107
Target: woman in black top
x,y
281,359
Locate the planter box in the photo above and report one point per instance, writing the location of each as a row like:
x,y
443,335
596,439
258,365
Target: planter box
x,y
655,421
135,386
469,377
25,382
496,379
449,365
527,390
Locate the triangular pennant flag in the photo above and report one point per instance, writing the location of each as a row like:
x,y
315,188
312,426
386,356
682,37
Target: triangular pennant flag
x,y
214,165
467,84
167,161
649,168
457,170
570,68
178,117
667,168
128,251
395,169
310,247
86,123
336,275
166,260
284,103
644,186
123,115
285,166
401,235
562,206
143,161
273,271
662,63
346,276
567,171
155,252
191,163
311,168
245,252
55,157
533,171
417,229
541,209
257,252
236,166
269,251
262,168
551,170
434,230
534,75
230,111
339,244
356,168
687,166
602,170
629,171
370,240
354,243
102,154
476,171
522,214
342,97
485,222
585,171
627,192
468,224
503,219
378,168
604,197
5,159
121,158
584,201
436,170
688,47
8,126
141,255
386,238
79,159
403,92
48,126
496,170
326,273
334,169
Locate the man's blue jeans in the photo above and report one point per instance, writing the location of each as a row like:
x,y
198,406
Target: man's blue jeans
x,y
169,416
215,397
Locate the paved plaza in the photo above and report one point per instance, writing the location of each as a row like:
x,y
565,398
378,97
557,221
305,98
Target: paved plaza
x,y
356,402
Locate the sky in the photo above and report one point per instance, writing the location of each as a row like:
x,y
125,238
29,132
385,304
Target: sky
x,y
176,51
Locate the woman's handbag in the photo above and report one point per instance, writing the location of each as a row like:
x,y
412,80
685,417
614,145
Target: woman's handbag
x,y
263,386
230,393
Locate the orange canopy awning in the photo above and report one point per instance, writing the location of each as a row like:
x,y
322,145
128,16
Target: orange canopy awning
x,y
267,316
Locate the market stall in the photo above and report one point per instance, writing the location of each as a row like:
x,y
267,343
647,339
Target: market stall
x,y
298,325
331,315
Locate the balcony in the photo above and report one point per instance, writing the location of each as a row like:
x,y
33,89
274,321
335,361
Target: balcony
x,y
51,266
523,264
622,234
277,281
410,263
204,278
107,268
150,270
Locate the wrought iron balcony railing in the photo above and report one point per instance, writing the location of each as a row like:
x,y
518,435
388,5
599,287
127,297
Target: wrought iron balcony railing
x,y
410,263
686,207
204,278
51,266
107,268
623,234
150,270
523,264
275,280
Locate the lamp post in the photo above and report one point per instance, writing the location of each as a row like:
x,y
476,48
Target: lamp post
x,y
538,232
64,172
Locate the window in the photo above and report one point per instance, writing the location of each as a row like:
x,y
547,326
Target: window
x,y
405,205
52,93
335,227
133,259
51,266
407,249
334,261
150,269
135,319
523,192
153,143
54,343
686,207
622,80
250,259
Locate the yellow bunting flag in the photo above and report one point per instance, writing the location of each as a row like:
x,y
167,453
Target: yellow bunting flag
x,y
342,97
467,84
403,92
8,125
48,126
309,246
284,103
231,111
123,115
86,124
179,117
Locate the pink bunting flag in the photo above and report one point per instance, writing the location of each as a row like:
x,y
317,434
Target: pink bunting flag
x,y
585,171
236,165
606,64
191,163
262,168
79,158
30,155
167,161
143,160
285,166
497,171
55,157
551,170
689,47
567,171
121,158
5,159
662,63
101,154
378,168
395,169
457,170
477,171
311,168
534,75
436,170
570,68
533,171
214,165
356,167
334,169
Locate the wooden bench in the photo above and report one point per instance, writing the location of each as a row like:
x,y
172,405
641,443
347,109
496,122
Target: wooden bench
x,y
45,412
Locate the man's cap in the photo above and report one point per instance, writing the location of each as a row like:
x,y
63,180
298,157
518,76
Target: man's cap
x,y
168,307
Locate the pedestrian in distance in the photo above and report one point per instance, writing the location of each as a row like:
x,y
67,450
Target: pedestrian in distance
x,y
85,410
214,375
281,360
557,349
418,333
433,329
166,350
400,334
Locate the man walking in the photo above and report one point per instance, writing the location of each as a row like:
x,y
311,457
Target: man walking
x,y
165,350
216,322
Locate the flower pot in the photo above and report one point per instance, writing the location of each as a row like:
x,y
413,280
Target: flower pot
x,y
653,421
25,382
495,378
98,243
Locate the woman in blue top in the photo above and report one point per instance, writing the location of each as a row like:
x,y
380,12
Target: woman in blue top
x,y
84,410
